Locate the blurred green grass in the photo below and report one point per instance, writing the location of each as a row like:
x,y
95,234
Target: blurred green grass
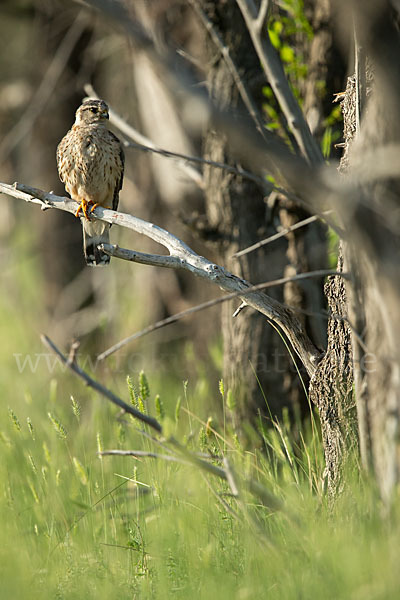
x,y
73,526
76,526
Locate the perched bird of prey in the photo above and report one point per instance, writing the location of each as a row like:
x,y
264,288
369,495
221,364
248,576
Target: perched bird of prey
x,y
90,162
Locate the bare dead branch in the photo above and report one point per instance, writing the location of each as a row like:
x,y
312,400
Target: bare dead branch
x,y
210,303
254,486
141,142
144,142
243,91
181,256
277,236
89,381
231,478
279,83
265,153
46,87
221,500
263,183
262,14
156,455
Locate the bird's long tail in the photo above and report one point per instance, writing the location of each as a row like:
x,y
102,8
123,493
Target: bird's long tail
x,y
95,233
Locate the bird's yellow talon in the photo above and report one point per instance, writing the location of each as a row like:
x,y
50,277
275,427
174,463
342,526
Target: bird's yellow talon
x,y
84,208
94,206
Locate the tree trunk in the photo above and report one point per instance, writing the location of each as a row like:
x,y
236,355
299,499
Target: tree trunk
x,y
372,250
257,366
331,388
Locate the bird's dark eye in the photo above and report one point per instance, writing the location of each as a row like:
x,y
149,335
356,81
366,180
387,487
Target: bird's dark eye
x,y
93,110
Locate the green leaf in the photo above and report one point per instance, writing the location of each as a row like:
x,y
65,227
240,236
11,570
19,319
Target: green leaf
x,y
274,38
287,54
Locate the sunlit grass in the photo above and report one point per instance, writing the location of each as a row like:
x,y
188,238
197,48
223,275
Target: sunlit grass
x,y
76,525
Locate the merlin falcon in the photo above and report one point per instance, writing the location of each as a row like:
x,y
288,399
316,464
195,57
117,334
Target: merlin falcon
x,y
90,162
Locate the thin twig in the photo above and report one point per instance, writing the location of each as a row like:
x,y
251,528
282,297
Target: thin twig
x,y
280,234
147,454
205,305
231,478
280,85
153,423
262,15
243,91
220,499
250,517
131,548
268,187
46,87
144,454
141,142
145,142
183,257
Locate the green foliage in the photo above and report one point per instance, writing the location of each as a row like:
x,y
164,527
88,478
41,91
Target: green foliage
x,y
138,398
288,25
285,27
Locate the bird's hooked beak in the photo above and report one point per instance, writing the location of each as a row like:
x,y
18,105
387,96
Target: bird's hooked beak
x,y
104,114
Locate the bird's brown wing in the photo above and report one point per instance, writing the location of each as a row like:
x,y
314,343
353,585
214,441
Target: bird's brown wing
x,y
121,178
60,153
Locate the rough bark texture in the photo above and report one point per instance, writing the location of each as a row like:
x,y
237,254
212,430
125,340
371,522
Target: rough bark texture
x,y
331,388
373,249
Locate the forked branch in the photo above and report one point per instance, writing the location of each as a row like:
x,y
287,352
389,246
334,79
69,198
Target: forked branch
x,y
278,81
182,257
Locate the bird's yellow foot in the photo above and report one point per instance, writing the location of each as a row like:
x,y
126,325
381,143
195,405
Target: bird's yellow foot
x,y
94,206
97,204
84,208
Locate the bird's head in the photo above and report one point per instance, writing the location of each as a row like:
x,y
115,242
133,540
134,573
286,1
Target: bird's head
x,y
92,111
